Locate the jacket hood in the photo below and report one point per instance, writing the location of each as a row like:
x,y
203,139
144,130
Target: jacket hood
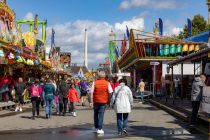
x,y
198,81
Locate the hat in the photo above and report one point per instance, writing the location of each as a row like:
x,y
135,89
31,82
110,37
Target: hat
x,y
101,74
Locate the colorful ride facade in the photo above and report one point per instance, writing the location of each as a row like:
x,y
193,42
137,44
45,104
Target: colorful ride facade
x,y
146,49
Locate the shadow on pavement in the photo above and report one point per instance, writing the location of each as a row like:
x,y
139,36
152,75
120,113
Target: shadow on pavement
x,y
85,131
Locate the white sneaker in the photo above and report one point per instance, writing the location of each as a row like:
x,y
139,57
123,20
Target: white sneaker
x,y
74,114
100,131
16,109
140,102
21,110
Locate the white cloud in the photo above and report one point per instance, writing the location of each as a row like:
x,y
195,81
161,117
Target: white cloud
x,y
143,14
156,4
135,23
29,16
171,29
70,37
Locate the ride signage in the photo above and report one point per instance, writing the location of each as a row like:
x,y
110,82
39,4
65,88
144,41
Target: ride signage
x,y
206,100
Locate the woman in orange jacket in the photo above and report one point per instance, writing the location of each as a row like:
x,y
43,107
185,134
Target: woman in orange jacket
x,y
73,98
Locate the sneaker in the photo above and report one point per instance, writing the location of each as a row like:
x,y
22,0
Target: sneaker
x,y
125,132
74,114
16,109
21,110
140,102
119,133
33,118
100,131
46,116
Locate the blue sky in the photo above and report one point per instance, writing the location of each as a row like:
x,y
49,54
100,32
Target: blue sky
x,y
70,17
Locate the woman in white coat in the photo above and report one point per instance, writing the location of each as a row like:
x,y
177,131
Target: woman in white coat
x,y
122,100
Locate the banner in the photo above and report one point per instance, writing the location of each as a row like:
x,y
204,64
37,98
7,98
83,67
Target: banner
x,y
65,59
189,27
160,26
127,32
205,105
112,54
123,47
30,40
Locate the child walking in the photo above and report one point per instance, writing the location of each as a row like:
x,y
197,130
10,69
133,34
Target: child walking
x,y
73,98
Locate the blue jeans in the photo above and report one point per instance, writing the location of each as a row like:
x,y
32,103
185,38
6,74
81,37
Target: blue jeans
x,y
48,108
142,96
122,121
99,110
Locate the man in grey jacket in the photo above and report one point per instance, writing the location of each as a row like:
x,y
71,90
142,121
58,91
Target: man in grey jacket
x,y
196,96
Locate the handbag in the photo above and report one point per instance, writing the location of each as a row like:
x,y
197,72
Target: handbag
x,y
116,96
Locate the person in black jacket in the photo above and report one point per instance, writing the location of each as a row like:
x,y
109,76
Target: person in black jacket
x,y
63,90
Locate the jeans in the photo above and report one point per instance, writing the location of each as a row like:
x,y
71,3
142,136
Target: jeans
x,y
72,107
142,96
63,105
48,108
195,108
122,121
35,105
99,110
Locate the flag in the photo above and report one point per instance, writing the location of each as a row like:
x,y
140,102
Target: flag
x,y
112,54
189,27
117,52
123,47
127,32
53,38
160,26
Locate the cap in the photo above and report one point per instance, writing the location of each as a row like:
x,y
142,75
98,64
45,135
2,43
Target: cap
x,y
102,74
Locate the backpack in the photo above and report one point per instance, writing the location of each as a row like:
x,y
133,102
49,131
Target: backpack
x,y
35,91
84,87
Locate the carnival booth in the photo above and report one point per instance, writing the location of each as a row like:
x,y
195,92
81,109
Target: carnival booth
x,y
148,54
21,54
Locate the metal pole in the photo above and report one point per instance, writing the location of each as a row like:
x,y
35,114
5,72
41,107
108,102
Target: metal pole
x,y
182,92
31,27
85,55
194,69
154,79
134,78
172,79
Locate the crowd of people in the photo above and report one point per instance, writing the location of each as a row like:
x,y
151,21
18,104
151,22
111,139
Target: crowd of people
x,y
65,93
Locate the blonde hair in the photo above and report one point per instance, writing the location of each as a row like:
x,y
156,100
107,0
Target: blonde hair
x,y
203,77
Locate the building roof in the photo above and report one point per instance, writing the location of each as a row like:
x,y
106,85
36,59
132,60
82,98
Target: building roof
x,y
75,69
197,55
202,37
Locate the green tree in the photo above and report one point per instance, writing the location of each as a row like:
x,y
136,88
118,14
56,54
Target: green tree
x,y
199,25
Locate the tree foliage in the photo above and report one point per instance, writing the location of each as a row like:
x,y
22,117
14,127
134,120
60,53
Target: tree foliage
x,y
199,25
